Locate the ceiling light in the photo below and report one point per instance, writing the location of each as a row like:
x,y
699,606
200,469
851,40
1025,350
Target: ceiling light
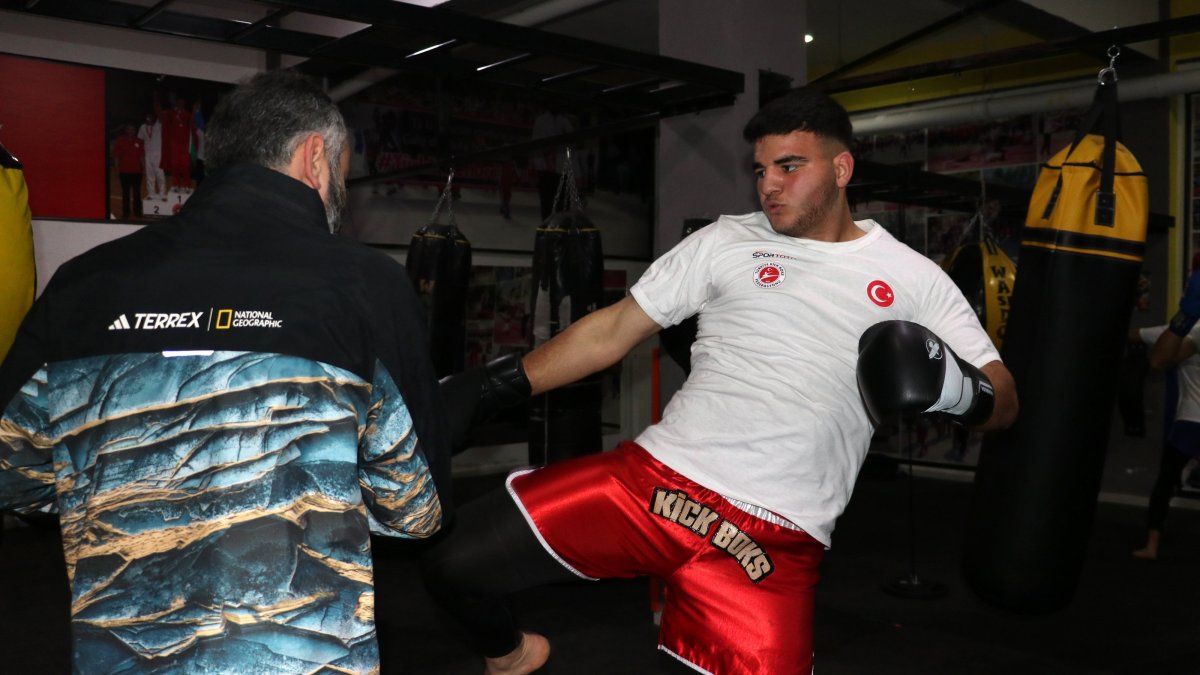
x,y
430,48
503,62
807,38
423,3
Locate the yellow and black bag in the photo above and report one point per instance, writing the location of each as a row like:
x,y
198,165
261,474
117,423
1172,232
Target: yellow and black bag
x,y
18,274
986,276
1036,483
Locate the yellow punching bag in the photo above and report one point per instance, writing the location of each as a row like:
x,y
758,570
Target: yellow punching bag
x,y
985,275
18,276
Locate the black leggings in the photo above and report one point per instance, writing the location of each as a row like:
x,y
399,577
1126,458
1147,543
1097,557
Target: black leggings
x,y
489,553
1169,469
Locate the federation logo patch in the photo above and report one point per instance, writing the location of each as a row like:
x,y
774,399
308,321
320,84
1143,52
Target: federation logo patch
x,y
769,274
880,293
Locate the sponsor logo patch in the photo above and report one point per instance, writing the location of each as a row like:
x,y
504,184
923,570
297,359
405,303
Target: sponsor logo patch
x,y
246,318
934,348
225,319
157,321
768,254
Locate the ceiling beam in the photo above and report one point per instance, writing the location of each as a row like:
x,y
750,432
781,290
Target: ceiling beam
x,y
623,78
1090,42
1047,26
974,7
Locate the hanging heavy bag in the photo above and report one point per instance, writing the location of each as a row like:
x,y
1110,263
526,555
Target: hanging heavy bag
x,y
439,266
568,269
1037,482
986,276
17,271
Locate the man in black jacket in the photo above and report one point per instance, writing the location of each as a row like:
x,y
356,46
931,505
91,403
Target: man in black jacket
x,y
221,408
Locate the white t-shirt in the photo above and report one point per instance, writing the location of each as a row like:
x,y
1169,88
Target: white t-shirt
x,y
1188,372
151,135
771,413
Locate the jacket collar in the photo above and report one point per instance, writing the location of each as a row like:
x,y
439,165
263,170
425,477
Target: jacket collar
x,y
264,190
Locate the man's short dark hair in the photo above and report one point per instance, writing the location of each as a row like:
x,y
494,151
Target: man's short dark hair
x,y
802,109
263,120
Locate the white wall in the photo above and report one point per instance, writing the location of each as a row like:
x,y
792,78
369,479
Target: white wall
x,y
703,163
73,42
57,241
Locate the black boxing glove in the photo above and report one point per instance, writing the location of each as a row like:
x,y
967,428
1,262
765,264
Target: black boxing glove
x,y
904,368
472,397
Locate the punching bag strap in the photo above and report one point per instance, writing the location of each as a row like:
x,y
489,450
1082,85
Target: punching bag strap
x,y
1103,108
7,161
1106,199
566,198
447,199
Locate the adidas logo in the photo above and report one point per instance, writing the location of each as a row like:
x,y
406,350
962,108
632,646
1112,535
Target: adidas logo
x,y
158,321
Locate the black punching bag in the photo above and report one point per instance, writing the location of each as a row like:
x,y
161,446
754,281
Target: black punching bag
x,y
568,270
439,266
1037,482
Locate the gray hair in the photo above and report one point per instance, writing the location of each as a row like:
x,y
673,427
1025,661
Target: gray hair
x,y
264,119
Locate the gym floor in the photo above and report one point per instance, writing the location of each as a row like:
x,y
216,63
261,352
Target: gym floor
x,y
1128,616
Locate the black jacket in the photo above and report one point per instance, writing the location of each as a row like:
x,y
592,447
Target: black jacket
x,y
220,406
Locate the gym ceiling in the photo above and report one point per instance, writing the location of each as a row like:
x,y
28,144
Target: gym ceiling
x,y
866,52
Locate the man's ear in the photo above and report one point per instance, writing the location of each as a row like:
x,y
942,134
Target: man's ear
x,y
843,167
309,165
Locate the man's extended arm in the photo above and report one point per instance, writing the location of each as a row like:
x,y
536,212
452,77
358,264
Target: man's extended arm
x,y
1170,349
593,343
1004,388
589,345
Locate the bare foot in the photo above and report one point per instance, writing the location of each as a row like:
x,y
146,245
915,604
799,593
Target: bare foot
x,y
530,655
1145,554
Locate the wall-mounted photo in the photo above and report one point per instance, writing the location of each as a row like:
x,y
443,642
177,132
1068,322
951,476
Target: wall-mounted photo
x,y
155,130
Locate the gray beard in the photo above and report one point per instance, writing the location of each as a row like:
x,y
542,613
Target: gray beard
x,y
336,206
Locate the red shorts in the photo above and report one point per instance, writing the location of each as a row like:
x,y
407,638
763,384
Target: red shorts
x,y
739,589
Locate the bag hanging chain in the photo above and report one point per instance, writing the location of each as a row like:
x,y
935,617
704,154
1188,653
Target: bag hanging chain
x,y
1111,71
447,199
566,187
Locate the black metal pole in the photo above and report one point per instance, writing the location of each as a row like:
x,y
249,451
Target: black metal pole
x,y
911,585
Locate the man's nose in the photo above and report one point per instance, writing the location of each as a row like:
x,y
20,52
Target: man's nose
x,y
770,183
